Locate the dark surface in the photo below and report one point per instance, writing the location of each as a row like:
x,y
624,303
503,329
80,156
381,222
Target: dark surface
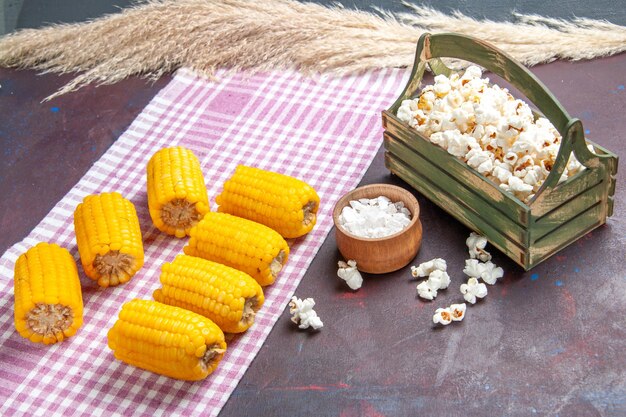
x,y
547,342
48,147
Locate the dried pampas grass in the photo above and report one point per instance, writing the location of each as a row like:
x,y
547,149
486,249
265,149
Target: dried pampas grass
x,y
159,36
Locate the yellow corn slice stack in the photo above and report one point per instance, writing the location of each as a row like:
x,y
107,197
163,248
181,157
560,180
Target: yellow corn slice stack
x,y
242,244
168,340
227,296
177,196
283,203
108,238
48,300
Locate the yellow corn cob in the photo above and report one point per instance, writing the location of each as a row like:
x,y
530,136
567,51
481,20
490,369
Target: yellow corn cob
x,y
225,295
177,196
48,300
108,238
168,340
283,203
242,244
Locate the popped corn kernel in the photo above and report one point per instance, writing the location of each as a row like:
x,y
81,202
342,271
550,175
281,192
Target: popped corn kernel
x,y
476,246
439,279
473,268
473,290
458,311
426,291
490,273
303,314
348,272
425,268
443,316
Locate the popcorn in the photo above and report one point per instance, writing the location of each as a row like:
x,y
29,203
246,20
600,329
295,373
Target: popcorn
x,y
407,111
490,273
502,172
302,312
438,278
511,158
425,268
458,311
463,116
516,185
526,143
480,160
486,114
476,246
443,316
473,268
531,178
438,138
426,291
442,89
349,273
459,144
490,130
472,72
454,99
472,290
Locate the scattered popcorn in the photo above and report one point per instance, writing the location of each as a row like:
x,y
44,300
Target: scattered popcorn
x,y
443,316
426,291
472,290
490,273
458,311
349,273
476,246
486,127
303,314
374,218
438,278
473,268
424,269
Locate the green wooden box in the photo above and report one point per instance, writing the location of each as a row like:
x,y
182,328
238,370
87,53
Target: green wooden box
x,y
556,216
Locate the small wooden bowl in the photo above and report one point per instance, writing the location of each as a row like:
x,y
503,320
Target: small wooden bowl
x,y
385,254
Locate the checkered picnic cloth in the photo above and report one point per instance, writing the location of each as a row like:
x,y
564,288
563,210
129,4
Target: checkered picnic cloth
x,y
324,131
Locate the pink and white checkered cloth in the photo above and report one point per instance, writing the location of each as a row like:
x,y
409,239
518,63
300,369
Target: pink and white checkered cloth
x,y
323,131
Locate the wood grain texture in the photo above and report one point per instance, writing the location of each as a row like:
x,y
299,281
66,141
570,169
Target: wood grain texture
x,y
386,254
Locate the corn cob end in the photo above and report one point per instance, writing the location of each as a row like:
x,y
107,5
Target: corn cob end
x,y
114,268
49,323
212,357
277,263
310,213
181,214
250,308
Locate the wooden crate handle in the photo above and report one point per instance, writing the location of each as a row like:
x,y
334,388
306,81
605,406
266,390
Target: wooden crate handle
x,y
432,47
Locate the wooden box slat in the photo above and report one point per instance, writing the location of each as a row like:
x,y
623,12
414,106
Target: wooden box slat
x,y
570,210
567,191
567,234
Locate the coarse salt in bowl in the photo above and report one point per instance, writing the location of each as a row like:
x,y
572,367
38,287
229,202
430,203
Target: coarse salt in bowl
x,y
380,254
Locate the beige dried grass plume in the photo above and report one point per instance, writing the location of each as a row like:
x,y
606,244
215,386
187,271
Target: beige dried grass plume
x,y
159,36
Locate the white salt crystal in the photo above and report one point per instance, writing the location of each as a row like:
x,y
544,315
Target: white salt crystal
x,y
374,218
